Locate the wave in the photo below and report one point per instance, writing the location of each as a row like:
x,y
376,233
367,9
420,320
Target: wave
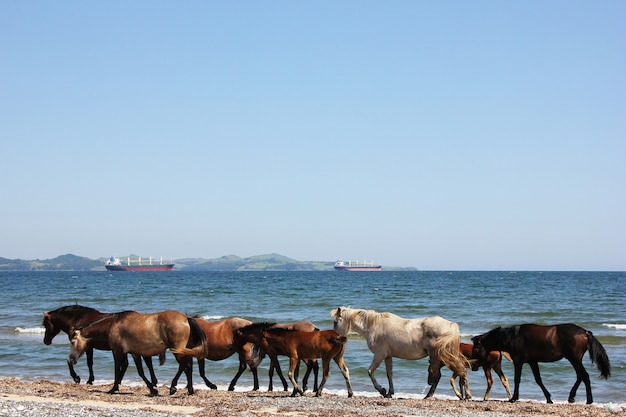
x,y
212,318
30,330
617,326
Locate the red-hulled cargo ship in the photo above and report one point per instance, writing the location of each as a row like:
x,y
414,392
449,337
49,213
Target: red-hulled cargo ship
x,y
357,266
115,264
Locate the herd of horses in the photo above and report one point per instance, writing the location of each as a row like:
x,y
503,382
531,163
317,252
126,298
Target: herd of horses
x,y
387,335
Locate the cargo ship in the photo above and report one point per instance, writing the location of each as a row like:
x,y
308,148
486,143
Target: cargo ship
x,y
115,264
357,266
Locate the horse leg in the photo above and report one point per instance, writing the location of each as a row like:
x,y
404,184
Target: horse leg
x,y
203,374
325,374
389,368
535,367
242,367
581,376
517,365
73,373
139,366
489,378
344,371
255,377
453,383
175,380
311,365
188,366
373,366
270,387
316,368
305,379
276,365
90,366
185,364
434,375
121,363
503,378
153,378
294,365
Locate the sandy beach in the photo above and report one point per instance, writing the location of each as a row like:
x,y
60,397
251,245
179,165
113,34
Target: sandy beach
x,y
45,398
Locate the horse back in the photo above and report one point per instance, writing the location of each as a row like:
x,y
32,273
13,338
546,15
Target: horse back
x,y
548,343
220,336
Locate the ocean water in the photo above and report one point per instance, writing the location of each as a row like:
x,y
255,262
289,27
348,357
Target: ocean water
x,y
477,301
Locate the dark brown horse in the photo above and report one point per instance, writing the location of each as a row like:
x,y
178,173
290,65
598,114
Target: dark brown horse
x,y
299,345
532,343
492,361
145,335
223,343
76,316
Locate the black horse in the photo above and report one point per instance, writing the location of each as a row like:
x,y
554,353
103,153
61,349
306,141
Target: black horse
x,y
532,343
76,316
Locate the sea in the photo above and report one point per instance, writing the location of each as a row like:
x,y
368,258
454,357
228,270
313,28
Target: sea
x,y
477,300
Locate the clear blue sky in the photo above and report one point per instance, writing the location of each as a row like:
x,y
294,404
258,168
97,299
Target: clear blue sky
x,y
440,135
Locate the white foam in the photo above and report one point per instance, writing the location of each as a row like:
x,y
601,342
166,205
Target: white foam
x,y
617,326
212,318
30,330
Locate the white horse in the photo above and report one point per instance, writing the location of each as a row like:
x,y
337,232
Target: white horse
x,y
390,336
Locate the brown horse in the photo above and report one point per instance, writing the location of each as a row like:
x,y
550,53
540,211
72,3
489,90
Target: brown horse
x,y
299,345
76,316
492,361
221,344
532,343
311,365
145,335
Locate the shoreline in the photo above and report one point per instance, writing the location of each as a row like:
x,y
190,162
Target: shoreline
x,y
53,399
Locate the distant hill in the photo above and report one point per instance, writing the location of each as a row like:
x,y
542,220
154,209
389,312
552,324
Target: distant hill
x,y
60,263
268,262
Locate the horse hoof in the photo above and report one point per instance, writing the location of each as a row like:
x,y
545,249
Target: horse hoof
x,y
231,388
173,391
77,380
154,393
572,400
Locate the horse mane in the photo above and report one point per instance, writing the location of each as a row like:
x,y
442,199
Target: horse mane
x,y
256,325
73,307
369,318
279,330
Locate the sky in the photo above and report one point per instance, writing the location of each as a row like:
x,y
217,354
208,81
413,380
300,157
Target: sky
x,y
482,135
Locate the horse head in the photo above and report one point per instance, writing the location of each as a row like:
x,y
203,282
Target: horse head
x,y
51,329
79,344
494,339
253,333
342,320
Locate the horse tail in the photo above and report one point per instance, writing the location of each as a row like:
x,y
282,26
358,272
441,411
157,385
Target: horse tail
x,y
256,356
448,348
196,344
598,355
197,337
